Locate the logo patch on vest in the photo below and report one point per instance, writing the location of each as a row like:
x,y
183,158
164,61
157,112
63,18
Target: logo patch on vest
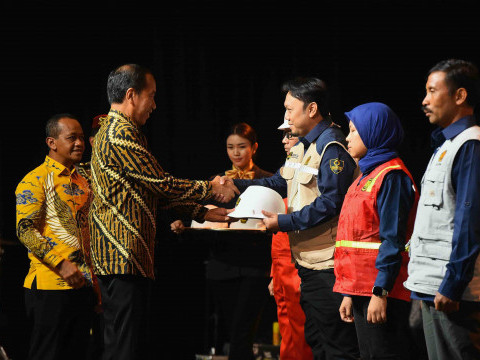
x,y
442,155
238,201
292,155
336,165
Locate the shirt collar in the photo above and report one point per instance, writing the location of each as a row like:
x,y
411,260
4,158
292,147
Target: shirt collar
x,y
315,132
58,168
439,135
120,115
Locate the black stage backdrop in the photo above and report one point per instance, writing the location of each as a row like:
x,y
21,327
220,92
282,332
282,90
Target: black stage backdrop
x,y
216,63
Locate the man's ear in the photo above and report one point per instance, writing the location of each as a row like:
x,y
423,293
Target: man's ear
x,y
312,109
129,95
51,143
460,96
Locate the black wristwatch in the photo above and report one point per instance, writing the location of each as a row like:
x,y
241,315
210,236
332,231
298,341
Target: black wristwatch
x,y
379,291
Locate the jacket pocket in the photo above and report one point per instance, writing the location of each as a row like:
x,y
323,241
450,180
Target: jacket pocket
x,y
305,178
433,188
287,172
431,248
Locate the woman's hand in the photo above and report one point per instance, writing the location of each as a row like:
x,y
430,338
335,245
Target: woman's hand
x,y
346,309
377,310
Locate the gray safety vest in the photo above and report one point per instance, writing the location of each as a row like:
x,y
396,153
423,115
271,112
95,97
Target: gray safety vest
x,y
431,242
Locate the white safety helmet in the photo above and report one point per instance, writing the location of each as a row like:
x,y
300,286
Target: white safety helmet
x,y
248,224
284,125
256,198
209,224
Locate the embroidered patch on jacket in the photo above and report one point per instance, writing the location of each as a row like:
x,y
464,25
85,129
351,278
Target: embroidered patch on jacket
x,y
336,165
238,201
292,155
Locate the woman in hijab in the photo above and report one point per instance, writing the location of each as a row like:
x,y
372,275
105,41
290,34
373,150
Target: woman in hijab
x,y
375,222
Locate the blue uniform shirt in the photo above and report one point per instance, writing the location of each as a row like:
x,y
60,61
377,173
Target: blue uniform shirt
x,y
394,202
333,187
466,232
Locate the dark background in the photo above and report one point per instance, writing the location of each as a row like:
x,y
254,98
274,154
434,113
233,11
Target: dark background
x,y
216,63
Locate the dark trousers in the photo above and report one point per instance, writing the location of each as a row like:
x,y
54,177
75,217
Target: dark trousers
x,y
240,303
390,340
454,336
61,323
126,302
328,336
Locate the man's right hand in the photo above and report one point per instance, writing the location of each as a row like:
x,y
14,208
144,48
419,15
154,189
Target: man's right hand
x,y
223,189
71,274
219,215
445,304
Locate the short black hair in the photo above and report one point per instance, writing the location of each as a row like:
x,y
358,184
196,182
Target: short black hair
x,y
460,74
123,78
308,90
52,129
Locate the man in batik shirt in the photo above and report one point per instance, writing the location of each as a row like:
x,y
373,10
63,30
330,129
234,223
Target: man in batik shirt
x,y
129,188
52,222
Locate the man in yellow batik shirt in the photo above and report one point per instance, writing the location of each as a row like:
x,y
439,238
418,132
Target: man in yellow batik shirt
x,y
52,204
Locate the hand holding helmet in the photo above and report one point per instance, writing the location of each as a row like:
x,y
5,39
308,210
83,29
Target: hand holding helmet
x,y
260,202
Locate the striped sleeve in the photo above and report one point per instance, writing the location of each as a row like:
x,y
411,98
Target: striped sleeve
x,y
126,146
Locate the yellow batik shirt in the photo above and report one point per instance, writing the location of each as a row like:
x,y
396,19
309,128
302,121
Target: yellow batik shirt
x,y
129,185
52,222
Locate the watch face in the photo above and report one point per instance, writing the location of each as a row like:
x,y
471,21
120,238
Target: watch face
x,y
378,291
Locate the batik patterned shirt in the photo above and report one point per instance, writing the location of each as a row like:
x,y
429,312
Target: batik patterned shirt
x,y
129,185
52,205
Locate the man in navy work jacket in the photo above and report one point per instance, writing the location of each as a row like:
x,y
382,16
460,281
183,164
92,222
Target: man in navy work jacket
x,y
315,178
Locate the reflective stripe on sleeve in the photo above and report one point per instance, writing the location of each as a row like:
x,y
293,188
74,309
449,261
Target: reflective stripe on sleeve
x,y
358,244
301,167
363,245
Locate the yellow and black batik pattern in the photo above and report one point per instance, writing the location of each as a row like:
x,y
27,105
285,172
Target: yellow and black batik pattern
x,y
52,222
84,169
129,185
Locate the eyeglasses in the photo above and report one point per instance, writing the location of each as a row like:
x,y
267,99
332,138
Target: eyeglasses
x,y
288,135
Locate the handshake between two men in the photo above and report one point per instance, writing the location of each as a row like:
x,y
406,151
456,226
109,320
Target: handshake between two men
x,y
224,190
